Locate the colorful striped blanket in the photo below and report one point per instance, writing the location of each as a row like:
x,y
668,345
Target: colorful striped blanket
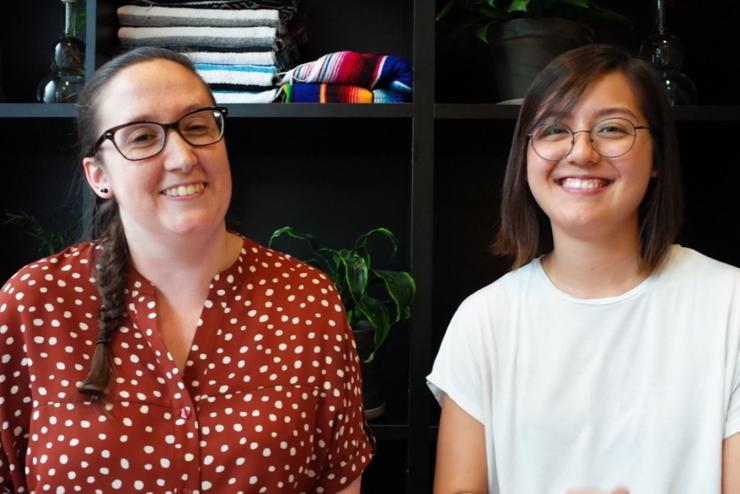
x,y
312,92
367,70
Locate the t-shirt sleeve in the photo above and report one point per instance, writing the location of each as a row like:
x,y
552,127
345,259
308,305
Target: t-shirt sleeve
x,y
458,370
732,423
346,441
15,394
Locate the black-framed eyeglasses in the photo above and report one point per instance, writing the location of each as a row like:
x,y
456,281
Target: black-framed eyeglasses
x,y
144,139
610,138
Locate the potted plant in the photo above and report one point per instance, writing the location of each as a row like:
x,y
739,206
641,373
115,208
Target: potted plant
x,y
374,299
524,35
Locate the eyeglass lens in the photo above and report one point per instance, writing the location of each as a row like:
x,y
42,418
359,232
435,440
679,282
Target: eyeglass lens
x,y
139,141
610,138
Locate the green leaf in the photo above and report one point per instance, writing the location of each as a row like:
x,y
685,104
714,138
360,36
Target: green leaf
x,y
377,315
518,6
323,255
577,3
362,239
446,9
482,32
402,290
355,273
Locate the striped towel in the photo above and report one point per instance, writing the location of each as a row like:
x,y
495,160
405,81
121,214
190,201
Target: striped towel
x,y
133,15
366,70
237,77
231,58
236,97
233,38
287,8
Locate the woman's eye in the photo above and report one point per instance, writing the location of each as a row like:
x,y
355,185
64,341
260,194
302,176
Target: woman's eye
x,y
612,128
553,131
142,137
196,128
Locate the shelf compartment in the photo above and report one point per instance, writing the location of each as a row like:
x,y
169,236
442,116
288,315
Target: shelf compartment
x,y
37,110
490,111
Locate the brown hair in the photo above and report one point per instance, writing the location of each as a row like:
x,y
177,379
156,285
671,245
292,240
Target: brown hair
x,y
112,264
524,229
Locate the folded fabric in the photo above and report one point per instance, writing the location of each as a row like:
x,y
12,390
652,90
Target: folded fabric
x,y
134,15
229,97
287,8
387,96
325,93
244,38
231,58
234,76
366,70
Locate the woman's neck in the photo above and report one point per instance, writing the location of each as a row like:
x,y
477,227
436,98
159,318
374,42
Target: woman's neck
x,y
595,269
170,262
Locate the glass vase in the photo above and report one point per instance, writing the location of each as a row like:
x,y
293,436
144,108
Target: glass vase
x,y
67,75
665,52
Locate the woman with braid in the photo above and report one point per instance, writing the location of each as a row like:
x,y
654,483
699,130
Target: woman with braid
x,y
170,354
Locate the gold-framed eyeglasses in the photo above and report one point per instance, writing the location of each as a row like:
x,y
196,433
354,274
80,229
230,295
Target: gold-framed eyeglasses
x,y
144,139
610,138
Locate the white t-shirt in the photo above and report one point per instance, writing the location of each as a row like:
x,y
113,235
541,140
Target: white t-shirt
x,y
636,390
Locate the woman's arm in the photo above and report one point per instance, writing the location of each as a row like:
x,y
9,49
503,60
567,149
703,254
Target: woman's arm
x,y
353,488
731,465
461,452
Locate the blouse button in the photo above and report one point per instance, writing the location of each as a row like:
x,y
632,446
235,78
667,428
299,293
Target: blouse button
x,y
184,412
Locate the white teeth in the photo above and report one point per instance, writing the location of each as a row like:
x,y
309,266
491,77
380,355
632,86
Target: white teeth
x,y
184,190
583,183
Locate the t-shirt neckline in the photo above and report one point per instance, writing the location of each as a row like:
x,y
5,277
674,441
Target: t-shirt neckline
x,y
613,299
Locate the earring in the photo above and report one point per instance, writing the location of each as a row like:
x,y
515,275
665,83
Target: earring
x,y
104,190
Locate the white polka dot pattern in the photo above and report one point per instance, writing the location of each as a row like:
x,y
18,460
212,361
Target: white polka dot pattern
x,y
269,401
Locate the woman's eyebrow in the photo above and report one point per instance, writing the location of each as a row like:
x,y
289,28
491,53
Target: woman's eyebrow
x,y
614,110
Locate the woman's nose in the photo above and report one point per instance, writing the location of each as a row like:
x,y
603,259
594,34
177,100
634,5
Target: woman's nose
x,y
583,151
178,153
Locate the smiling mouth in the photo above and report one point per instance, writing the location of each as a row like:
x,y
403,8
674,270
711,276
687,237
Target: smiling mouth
x,y
584,183
184,190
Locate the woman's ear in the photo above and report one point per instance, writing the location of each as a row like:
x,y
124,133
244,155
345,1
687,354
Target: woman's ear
x,y
96,178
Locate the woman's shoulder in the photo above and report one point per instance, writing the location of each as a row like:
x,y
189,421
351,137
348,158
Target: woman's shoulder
x,y
504,294
265,261
74,262
684,261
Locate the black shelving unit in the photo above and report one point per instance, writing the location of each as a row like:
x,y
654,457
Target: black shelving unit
x,y
430,170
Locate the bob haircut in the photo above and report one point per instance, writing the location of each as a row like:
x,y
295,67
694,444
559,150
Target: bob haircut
x,y
524,229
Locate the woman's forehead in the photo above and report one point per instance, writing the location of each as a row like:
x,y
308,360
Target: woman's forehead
x,y
601,96
155,89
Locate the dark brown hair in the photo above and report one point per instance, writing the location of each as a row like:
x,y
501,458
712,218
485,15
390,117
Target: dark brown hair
x,y
524,229
112,264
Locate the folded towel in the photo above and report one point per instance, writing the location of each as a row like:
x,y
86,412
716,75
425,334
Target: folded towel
x,y
287,8
245,38
229,97
237,75
133,15
366,70
232,58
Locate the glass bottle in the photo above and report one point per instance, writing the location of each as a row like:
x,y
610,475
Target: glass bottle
x,y
65,81
665,52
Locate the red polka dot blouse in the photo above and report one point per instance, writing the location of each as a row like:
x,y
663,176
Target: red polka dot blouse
x,y
269,401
